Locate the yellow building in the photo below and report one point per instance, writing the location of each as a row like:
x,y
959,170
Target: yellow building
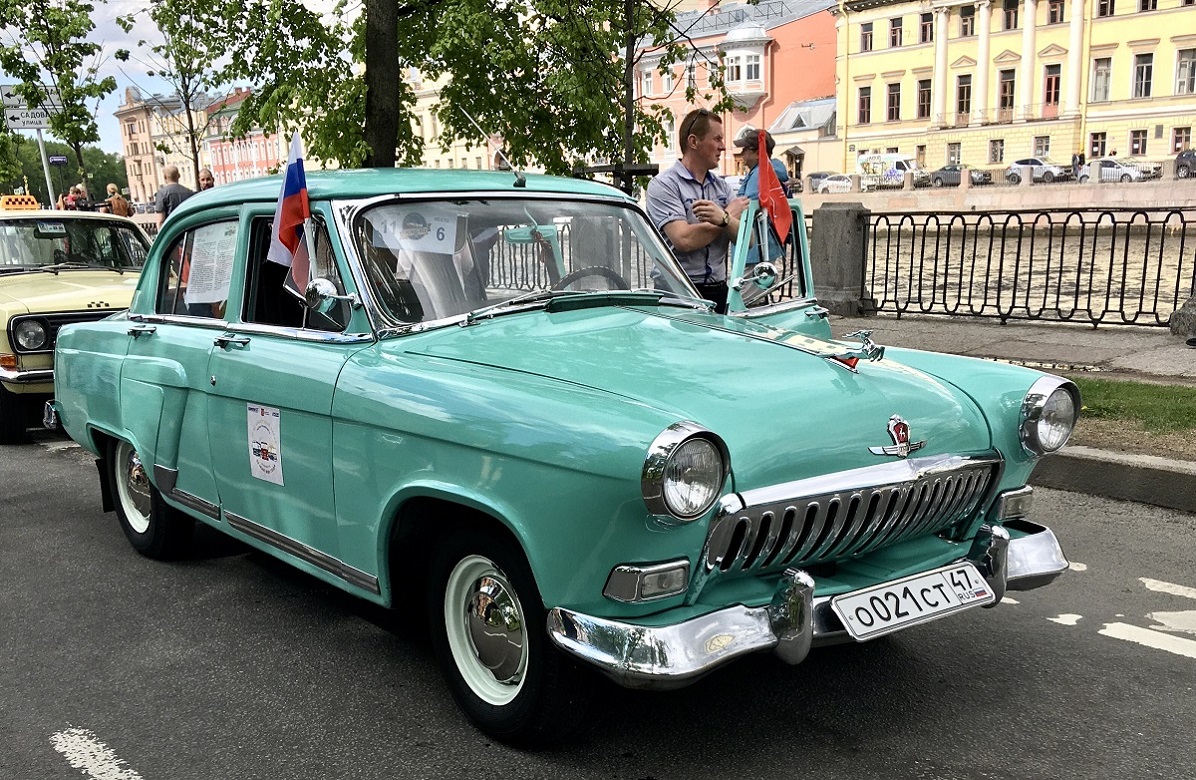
x,y
989,82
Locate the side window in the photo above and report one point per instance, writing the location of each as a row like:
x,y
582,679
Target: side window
x,y
272,296
198,271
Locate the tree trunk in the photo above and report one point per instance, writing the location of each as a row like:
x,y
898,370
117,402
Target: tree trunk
x,y
381,82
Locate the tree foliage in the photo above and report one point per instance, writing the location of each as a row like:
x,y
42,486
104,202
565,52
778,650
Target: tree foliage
x,y
185,59
44,44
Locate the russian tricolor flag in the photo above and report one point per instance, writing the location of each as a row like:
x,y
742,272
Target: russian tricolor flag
x,y
288,245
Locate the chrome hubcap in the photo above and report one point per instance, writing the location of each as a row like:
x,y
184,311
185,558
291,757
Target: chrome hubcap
x,y
486,630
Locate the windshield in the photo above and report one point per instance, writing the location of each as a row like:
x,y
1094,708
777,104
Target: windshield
x,y
432,259
30,243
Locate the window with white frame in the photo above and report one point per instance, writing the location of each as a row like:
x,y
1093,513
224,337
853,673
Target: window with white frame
x,y
751,67
1102,74
1185,72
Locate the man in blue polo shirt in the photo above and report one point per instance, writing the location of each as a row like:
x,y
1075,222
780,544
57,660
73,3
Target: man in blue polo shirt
x,y
695,208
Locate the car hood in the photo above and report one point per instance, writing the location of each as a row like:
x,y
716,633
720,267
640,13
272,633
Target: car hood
x,y
785,408
68,290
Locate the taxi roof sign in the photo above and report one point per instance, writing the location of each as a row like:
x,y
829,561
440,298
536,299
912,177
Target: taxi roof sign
x,y
19,203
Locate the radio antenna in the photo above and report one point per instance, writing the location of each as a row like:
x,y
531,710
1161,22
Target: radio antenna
x,y
520,181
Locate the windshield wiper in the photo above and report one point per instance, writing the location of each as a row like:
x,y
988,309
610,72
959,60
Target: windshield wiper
x,y
531,296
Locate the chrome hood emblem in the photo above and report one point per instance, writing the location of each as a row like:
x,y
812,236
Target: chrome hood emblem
x,y
899,433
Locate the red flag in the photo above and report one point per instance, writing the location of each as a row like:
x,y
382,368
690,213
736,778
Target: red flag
x,y
772,197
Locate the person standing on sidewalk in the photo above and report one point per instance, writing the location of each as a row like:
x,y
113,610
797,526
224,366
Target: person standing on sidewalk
x,y
170,196
695,208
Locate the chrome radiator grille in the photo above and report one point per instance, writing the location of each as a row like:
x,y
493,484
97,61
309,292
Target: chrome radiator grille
x,y
846,514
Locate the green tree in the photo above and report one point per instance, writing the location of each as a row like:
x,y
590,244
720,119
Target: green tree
x,y
44,44
183,59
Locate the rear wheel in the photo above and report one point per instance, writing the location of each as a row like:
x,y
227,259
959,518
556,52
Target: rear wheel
x,y
153,527
13,417
489,633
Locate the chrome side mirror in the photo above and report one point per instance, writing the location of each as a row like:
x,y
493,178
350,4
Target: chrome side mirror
x,y
320,296
764,276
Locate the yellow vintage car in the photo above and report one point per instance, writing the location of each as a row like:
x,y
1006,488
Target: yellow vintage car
x,y
56,267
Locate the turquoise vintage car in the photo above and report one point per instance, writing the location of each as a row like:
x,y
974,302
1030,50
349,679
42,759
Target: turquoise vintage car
x,y
501,399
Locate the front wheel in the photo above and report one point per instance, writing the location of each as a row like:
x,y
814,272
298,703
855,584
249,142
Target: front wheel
x,y
153,527
489,633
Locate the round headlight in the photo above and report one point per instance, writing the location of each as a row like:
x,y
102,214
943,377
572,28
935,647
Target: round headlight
x,y
1049,414
30,335
692,478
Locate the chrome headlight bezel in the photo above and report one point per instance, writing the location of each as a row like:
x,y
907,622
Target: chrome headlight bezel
x,y
1036,405
21,330
660,452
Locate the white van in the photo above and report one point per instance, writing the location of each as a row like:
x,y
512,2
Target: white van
x,y
888,170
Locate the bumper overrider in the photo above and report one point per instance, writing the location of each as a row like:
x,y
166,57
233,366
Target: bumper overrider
x,y
663,657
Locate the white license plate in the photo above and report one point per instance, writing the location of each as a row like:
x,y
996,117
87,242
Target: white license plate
x,y
879,610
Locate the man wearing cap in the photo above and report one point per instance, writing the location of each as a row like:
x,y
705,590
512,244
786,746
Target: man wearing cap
x,y
749,146
695,208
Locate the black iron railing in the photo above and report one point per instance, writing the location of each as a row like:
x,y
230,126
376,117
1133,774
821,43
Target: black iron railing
x,y
1099,266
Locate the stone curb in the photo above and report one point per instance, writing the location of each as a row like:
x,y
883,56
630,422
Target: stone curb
x,y
1143,478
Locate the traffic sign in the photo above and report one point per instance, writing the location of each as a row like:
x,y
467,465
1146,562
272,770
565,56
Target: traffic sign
x,y
27,118
13,100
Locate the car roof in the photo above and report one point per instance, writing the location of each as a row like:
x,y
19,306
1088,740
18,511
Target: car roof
x,y
373,182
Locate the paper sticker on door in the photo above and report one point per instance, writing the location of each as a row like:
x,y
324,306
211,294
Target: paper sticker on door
x,y
265,443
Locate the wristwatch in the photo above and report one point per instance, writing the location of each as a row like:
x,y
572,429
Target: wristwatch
x,y
726,219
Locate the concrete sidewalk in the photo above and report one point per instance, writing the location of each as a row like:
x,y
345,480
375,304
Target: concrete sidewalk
x,y
1110,351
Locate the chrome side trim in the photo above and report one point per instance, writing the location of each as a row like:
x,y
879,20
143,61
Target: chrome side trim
x,y
205,508
344,571
28,377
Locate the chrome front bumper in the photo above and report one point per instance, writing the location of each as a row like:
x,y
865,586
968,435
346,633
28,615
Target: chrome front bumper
x,y
663,657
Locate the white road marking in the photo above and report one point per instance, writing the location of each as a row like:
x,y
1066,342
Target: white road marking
x,y
1168,587
1073,566
1066,619
85,752
1175,621
1007,600
1144,636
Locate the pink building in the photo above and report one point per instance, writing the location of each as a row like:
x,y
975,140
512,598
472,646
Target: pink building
x,y
233,159
773,54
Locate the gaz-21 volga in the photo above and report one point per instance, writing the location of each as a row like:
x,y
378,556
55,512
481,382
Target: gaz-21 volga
x,y
500,398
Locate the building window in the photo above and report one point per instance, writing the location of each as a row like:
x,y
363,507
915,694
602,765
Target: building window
x,y
1042,145
967,21
1143,74
1181,138
1105,8
1050,85
926,30
865,105
1102,72
645,88
1148,5
752,67
1055,12
996,150
1137,142
866,36
1010,9
734,69
894,105
924,99
1096,145
963,97
1006,90
1185,72
953,155
895,32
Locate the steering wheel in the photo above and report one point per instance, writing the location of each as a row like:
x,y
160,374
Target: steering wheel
x,y
615,281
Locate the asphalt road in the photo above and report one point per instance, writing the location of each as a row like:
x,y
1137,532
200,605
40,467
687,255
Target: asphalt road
x,y
229,665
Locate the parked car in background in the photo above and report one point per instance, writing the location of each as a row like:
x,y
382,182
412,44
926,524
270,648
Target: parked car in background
x,y
952,175
501,401
56,267
1185,164
1107,169
1043,169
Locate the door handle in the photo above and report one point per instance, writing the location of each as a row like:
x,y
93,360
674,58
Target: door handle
x,y
229,341
137,331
